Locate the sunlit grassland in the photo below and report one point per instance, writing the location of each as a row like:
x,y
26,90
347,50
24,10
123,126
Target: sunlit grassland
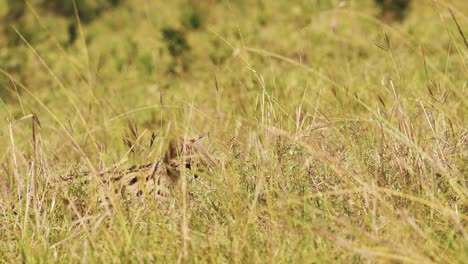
x,y
333,137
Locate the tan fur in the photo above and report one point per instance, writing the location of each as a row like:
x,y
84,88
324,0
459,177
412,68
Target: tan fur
x,y
153,180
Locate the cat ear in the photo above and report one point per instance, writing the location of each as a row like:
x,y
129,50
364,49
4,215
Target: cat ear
x,y
173,150
197,142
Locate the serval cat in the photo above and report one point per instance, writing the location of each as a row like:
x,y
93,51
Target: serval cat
x,y
149,181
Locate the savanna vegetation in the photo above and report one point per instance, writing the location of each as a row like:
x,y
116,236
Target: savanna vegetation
x,y
335,130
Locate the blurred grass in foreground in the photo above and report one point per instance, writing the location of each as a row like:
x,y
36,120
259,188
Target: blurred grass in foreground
x,y
335,137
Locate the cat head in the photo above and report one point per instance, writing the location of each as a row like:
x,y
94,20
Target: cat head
x,y
181,156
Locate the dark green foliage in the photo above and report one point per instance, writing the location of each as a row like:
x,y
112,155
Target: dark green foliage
x,y
115,2
175,41
15,10
393,9
177,45
72,32
193,19
87,9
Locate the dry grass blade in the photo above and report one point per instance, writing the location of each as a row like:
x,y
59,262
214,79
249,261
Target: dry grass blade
x,y
337,134
459,28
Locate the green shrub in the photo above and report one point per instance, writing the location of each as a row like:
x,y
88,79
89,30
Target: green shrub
x,y
175,41
393,9
193,19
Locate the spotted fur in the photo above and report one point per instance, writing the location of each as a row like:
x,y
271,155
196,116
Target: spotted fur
x,y
153,180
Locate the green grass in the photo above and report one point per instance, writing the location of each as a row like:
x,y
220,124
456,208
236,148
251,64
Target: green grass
x,y
335,138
